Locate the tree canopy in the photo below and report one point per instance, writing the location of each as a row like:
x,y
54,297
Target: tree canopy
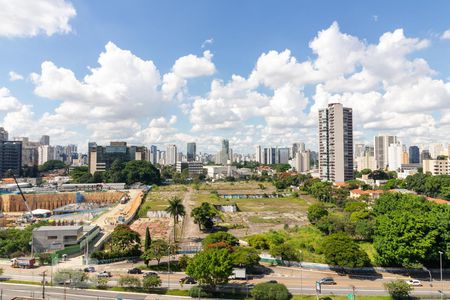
x,y
51,165
340,250
220,236
203,215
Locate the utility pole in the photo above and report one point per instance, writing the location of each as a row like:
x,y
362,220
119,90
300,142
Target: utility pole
x,y
442,282
43,284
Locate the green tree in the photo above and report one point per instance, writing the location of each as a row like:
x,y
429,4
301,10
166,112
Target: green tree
x,y
100,282
316,212
129,281
245,257
51,165
150,282
340,250
259,242
284,251
71,277
157,250
203,215
80,175
141,171
183,262
124,239
176,210
270,291
321,190
398,289
220,236
148,239
211,267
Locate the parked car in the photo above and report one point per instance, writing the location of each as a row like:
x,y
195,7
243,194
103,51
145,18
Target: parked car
x,y
272,281
188,280
104,274
146,274
414,282
133,260
134,271
89,269
327,280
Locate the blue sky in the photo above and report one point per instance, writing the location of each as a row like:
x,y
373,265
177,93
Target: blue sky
x,y
275,100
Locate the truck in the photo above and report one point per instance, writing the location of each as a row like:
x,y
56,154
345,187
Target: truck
x,y
23,262
239,273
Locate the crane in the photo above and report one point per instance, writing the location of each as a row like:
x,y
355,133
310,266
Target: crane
x,y
28,216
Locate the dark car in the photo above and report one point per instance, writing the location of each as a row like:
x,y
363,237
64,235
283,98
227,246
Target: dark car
x,y
146,274
89,269
272,281
327,280
134,271
188,280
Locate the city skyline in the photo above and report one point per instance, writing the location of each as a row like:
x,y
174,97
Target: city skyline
x,y
156,88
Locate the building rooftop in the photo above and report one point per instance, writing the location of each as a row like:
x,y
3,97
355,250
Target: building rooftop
x,y
58,228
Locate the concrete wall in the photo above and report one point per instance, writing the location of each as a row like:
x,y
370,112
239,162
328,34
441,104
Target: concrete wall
x,y
14,203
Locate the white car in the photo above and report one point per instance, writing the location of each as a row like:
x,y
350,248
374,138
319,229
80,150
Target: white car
x,y
414,282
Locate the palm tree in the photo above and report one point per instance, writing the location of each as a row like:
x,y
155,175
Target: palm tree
x,y
176,210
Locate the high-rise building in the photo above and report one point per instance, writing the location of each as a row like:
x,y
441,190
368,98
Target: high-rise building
x,y
395,152
282,155
10,157
336,143
414,155
171,155
191,152
382,144
3,134
100,158
297,147
424,155
224,154
436,167
45,140
359,150
258,154
153,154
45,153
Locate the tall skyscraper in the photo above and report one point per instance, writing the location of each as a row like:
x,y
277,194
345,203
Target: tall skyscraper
x,y
3,134
153,154
395,152
424,155
382,144
191,152
171,155
414,155
336,143
258,156
45,140
224,155
45,153
282,155
359,150
297,147
10,157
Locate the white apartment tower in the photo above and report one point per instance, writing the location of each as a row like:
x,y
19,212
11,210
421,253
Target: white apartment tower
x,y
336,143
171,155
382,144
45,153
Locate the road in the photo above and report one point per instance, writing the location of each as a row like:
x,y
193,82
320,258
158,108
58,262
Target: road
x,y
9,291
191,234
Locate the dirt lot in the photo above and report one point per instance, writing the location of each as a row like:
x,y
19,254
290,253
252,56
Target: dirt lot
x,y
255,215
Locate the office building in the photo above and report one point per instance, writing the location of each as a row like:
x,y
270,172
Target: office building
x,y
100,158
301,161
282,155
382,144
395,153
171,155
10,157
359,150
258,154
297,147
45,153
45,140
424,155
414,155
194,168
3,134
336,143
191,152
224,154
153,158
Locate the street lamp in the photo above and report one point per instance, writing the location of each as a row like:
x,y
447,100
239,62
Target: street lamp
x,y
442,283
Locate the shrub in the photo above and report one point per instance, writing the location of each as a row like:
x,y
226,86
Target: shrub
x,y
183,262
220,236
129,281
398,289
270,291
151,281
197,292
341,250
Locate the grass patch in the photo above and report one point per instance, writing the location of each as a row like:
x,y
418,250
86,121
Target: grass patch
x,y
21,282
261,220
158,200
333,297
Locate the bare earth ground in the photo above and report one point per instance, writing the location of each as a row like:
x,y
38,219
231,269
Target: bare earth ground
x,y
159,227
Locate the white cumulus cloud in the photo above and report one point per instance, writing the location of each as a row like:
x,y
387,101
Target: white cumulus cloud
x,y
24,18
